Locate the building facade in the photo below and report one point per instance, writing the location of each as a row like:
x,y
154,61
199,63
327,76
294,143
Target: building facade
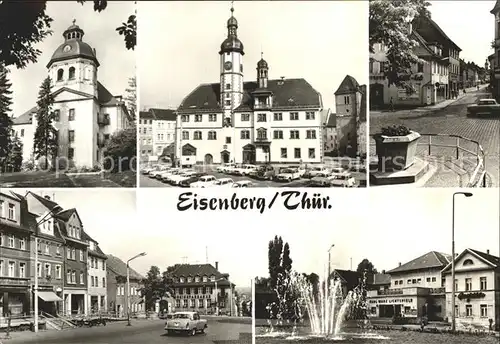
x,y
330,134
96,278
116,275
477,286
495,66
416,290
146,135
86,113
163,129
264,121
202,288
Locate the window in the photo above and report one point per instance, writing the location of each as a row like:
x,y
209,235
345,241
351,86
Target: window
x,y
57,115
310,115
346,100
468,310
296,153
212,135
420,68
294,134
71,136
73,276
47,249
482,283
189,279
12,212
71,153
39,269
58,271
205,279
22,244
1,267
261,117
262,134
433,279
245,117
22,132
12,269
103,282
278,116
278,134
71,116
82,278
294,116
71,73
228,102
22,270
81,255
10,241
47,269
185,118
198,118
228,139
228,86
484,311
212,118
60,74
197,135
312,153
468,284
311,134
245,135
428,279
185,135
468,262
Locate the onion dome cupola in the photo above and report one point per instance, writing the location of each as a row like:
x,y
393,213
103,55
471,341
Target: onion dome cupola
x,y
232,43
73,47
262,72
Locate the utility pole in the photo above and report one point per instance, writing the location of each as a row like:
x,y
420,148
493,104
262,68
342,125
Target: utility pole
x,y
36,286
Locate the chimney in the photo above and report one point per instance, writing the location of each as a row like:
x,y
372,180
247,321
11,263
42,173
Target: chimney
x,y
217,266
47,197
399,264
487,251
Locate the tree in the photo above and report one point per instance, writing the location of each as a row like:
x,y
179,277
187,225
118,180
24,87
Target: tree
x,y
45,140
275,250
14,159
367,266
389,22
121,151
5,120
131,97
152,290
24,24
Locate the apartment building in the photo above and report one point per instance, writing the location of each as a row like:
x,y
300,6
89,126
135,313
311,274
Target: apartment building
x,y
96,278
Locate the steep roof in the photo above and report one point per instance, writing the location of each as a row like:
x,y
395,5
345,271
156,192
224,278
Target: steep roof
x,y
351,278
46,202
489,259
119,267
163,114
332,120
429,260
496,8
286,93
348,85
193,270
146,115
381,279
431,31
66,214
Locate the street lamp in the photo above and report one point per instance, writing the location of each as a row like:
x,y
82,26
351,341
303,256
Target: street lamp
x,y
42,220
453,287
128,285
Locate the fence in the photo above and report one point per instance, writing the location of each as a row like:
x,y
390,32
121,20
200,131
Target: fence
x,y
448,145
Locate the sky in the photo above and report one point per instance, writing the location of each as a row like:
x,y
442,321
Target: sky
x,y
107,215
178,44
469,24
117,64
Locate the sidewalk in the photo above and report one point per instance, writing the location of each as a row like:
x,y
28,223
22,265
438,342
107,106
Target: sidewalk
x,y
438,106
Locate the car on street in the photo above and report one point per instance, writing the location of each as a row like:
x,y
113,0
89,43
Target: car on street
x,y
186,183
314,170
159,169
174,180
288,174
322,179
244,170
243,184
147,169
189,323
224,168
263,172
204,182
344,179
484,107
227,182
166,174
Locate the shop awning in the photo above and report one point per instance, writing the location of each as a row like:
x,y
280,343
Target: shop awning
x,y
48,296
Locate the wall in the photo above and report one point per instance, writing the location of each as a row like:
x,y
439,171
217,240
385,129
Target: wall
x,y
423,275
163,135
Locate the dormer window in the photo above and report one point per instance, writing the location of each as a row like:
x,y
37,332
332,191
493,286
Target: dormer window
x,y
181,279
212,278
197,279
468,262
205,279
189,279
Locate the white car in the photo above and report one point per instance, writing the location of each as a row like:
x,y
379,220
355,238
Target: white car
x,y
176,179
204,182
228,182
245,170
315,170
288,174
344,179
224,168
322,179
243,184
166,174
158,171
148,169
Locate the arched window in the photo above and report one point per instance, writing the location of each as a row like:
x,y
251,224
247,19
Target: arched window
x,y
72,73
60,74
468,262
212,135
197,135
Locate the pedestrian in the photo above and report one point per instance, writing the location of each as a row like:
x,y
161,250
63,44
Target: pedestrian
x,y
391,105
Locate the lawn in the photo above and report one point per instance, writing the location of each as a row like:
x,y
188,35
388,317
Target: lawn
x,y
35,179
127,179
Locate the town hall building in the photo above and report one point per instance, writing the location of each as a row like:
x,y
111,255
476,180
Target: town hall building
x,y
86,113
261,121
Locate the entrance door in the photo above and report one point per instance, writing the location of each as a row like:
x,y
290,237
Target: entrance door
x,y
376,95
397,309
209,159
224,157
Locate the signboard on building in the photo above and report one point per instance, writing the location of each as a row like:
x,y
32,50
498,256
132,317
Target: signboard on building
x,y
403,93
391,301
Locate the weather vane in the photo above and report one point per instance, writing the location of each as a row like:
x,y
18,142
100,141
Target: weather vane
x,y
232,6
74,21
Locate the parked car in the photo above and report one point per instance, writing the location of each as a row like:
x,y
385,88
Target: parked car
x,y
167,174
186,322
314,170
263,172
228,182
243,184
147,169
158,171
224,168
288,174
231,168
186,183
175,180
345,180
204,182
484,107
244,170
323,179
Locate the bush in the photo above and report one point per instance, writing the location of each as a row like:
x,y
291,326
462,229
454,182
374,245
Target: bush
x,y
28,166
121,151
395,130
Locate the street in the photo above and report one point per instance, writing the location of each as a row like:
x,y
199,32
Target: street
x,y
450,120
221,330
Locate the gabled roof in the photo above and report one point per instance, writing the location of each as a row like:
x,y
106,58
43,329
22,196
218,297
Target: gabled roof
x,y
146,115
119,267
185,270
348,85
286,93
496,8
66,214
431,31
331,120
431,260
381,279
49,204
349,277
163,114
489,259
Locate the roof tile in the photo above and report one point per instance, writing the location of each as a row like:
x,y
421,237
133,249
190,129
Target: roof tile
x,y
429,260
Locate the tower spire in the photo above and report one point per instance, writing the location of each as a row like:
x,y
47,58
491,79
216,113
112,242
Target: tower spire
x,y
232,7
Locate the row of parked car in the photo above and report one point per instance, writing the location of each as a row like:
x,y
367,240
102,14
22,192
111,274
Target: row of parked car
x,y
181,177
319,175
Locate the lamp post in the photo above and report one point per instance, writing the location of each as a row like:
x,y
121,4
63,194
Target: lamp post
x,y
128,285
35,287
453,287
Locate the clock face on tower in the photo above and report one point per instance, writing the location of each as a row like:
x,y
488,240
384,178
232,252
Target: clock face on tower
x,y
67,48
228,65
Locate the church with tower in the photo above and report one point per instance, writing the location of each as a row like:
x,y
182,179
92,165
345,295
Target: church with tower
x,y
86,113
261,121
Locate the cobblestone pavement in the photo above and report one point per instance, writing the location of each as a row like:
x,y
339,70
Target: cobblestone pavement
x,y
451,120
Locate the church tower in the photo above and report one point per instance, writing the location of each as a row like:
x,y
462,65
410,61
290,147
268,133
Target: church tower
x,y
74,63
231,69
